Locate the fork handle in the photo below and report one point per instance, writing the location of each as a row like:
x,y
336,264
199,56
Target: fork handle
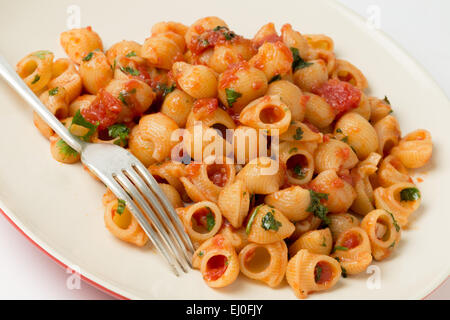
x,y
17,83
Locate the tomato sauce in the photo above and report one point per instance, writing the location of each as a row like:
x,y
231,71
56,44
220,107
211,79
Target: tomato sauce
x,y
325,274
269,38
215,267
104,110
211,38
351,240
340,95
200,216
203,107
229,76
217,173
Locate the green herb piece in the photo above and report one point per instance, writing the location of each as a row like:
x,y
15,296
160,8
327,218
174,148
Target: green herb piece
x,y
298,63
130,71
131,54
120,206
122,97
299,172
89,56
345,139
294,149
397,227
252,218
119,131
210,221
232,96
392,245
200,253
268,222
65,149
79,120
41,54
344,272
386,100
318,273
317,208
298,134
410,194
165,89
275,78
53,91
340,248
36,79
339,130
324,242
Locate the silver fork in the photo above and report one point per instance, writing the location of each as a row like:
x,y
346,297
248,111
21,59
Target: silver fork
x,y
127,178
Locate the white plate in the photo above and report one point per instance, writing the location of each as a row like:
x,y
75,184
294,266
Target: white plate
x,y
59,206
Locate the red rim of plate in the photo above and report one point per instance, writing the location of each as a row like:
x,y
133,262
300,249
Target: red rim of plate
x,y
108,291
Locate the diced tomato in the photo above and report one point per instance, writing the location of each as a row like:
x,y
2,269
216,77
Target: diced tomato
x,y
230,74
211,38
351,240
104,110
217,173
216,267
311,126
340,95
323,272
203,107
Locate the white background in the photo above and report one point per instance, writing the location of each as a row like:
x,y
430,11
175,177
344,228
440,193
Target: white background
x,y
422,28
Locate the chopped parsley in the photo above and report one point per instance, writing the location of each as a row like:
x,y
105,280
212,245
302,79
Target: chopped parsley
x,y
345,139
226,32
36,79
165,89
324,242
119,131
200,253
392,245
269,222
130,71
210,221
397,227
275,78
252,217
344,272
386,100
53,91
298,134
317,208
65,149
41,54
339,130
204,42
89,56
122,97
299,172
298,63
340,248
79,120
131,54
317,273
294,149
120,206
232,96
410,194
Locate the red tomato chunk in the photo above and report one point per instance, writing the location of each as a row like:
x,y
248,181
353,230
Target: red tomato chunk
x,y
104,110
340,95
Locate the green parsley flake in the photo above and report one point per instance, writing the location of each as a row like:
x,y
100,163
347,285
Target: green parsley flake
x,y
36,79
120,132
298,63
299,172
130,71
210,221
232,96
340,248
268,222
201,253
131,54
88,56
53,91
386,100
79,120
165,89
294,149
121,206
318,273
317,208
397,227
298,134
65,149
252,218
410,194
